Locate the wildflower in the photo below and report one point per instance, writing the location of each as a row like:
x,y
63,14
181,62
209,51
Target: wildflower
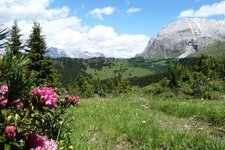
x,y
10,132
38,148
71,147
3,101
51,145
4,89
47,95
35,140
144,121
18,103
76,99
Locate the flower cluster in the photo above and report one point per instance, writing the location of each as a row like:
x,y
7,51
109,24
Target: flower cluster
x,y
3,101
10,132
74,99
18,103
4,89
40,96
47,95
38,142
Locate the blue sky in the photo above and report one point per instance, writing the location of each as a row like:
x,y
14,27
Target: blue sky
x,y
116,28
153,14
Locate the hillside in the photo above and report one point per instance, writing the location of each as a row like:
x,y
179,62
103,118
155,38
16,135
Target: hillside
x,y
186,36
134,67
105,68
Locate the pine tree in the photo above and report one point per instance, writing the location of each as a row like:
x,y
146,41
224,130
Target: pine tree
x,y
42,66
14,41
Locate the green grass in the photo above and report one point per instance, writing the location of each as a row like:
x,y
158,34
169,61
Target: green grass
x,y
134,68
213,50
130,123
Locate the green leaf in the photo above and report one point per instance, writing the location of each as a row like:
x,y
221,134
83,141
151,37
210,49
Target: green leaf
x,y
6,147
16,144
2,139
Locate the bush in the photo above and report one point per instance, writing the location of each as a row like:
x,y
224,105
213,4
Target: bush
x,y
30,117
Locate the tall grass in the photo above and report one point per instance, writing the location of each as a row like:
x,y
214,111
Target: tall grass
x,y
136,123
212,112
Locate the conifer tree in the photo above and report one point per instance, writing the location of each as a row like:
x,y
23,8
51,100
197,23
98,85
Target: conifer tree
x,y
14,41
42,66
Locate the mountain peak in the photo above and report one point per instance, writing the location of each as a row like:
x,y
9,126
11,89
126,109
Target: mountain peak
x,y
55,52
88,54
186,36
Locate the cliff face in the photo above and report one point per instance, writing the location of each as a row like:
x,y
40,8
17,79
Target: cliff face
x,y
184,37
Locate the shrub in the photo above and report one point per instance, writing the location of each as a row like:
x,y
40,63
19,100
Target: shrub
x,y
31,117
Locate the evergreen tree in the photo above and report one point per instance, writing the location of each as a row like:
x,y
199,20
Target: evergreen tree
x,y
15,42
42,66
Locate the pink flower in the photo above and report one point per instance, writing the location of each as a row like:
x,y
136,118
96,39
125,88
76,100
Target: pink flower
x,y
36,140
51,145
4,89
18,103
76,99
10,132
47,95
38,148
3,101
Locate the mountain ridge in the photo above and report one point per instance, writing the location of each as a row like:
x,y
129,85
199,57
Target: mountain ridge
x,y
56,53
184,37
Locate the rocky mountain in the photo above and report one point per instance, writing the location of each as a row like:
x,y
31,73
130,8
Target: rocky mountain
x,y
150,42
55,52
184,37
88,54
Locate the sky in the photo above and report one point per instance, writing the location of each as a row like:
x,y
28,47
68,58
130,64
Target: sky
x,y
116,28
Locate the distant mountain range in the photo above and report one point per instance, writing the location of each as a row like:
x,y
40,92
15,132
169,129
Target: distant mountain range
x,y
87,55
55,53
186,37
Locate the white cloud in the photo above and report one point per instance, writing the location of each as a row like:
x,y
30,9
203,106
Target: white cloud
x,y
205,11
187,13
30,10
68,33
133,10
100,12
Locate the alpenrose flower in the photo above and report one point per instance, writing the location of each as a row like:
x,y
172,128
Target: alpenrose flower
x,y
37,142
10,132
4,89
47,95
74,99
18,103
51,145
3,101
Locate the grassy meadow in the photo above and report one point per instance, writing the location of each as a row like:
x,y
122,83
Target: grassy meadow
x,y
132,68
131,122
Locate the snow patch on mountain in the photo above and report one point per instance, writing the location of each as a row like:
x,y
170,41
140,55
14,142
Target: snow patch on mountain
x,y
88,54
